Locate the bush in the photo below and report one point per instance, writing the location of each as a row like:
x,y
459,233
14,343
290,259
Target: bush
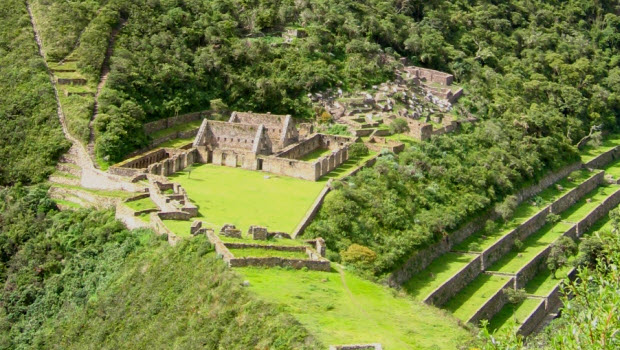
x,y
399,126
515,296
358,254
358,150
506,208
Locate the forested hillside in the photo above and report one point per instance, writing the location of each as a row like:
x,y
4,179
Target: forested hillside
x,y
31,139
539,75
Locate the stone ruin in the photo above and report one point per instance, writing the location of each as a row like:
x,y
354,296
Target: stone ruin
x,y
230,230
254,141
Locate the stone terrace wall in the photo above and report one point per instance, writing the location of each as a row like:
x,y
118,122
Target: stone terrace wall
x,y
230,135
166,123
533,319
601,210
605,158
302,148
374,346
266,247
161,229
448,289
492,305
574,195
294,168
314,209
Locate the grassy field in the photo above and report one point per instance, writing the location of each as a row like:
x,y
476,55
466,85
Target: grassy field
x,y
141,204
176,143
613,169
512,314
590,152
347,310
544,281
316,154
259,253
464,304
513,261
243,197
406,139
177,128
482,240
589,202
439,271
69,204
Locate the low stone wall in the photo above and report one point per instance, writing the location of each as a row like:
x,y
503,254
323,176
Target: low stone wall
x,y
314,209
317,265
533,319
174,215
128,217
600,211
492,305
220,248
449,288
374,346
574,195
422,258
166,123
177,135
161,229
604,159
265,246
138,197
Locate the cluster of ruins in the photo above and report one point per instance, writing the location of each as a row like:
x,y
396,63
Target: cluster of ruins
x,y
251,141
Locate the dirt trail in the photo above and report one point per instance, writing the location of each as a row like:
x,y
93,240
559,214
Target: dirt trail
x,y
105,71
91,177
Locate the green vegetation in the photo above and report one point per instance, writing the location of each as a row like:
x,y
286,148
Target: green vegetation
x,y
141,204
175,129
68,203
589,202
176,143
345,309
347,167
243,198
591,151
75,276
482,240
32,139
544,281
514,260
471,298
78,111
438,272
316,154
259,253
104,193
514,314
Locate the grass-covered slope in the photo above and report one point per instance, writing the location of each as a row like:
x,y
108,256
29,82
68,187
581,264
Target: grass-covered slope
x,y
80,280
31,138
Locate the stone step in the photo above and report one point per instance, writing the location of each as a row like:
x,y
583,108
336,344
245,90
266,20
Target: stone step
x,y
70,168
64,180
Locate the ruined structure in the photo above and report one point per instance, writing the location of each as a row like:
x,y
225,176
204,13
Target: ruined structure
x,y
251,141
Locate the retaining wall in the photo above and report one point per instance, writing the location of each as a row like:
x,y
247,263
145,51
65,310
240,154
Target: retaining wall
x,y
601,210
161,229
604,159
161,124
317,265
314,209
492,305
452,286
422,258
533,319
265,246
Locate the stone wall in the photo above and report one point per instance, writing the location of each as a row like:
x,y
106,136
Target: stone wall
x,y
232,136
533,319
166,123
219,246
314,209
178,161
603,159
297,168
161,229
430,75
492,305
373,346
283,248
302,148
420,130
574,195
449,288
597,213
174,215
177,135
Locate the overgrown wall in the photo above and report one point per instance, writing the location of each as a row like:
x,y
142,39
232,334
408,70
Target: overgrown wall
x,y
492,305
452,286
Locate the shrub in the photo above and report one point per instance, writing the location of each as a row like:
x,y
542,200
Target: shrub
x,y
560,251
358,254
358,150
515,296
338,129
553,218
506,208
398,126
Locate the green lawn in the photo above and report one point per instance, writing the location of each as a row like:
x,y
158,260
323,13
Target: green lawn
x,y
590,152
65,66
141,204
583,207
69,204
176,143
349,310
259,253
76,88
613,169
316,154
544,281
177,128
69,75
439,271
513,261
273,241
482,240
243,197
179,227
512,314
406,139
464,304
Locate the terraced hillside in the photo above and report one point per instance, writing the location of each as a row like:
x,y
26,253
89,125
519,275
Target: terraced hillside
x,y
470,281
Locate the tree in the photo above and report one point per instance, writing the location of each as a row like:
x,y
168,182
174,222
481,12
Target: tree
x,y
561,250
399,126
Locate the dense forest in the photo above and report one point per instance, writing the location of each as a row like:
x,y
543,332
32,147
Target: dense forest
x,y
31,139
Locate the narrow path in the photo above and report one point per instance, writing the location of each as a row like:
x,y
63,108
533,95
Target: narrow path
x,y
346,288
91,177
105,71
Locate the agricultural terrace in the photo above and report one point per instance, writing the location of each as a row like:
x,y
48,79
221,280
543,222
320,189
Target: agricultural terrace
x,y
590,152
341,308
